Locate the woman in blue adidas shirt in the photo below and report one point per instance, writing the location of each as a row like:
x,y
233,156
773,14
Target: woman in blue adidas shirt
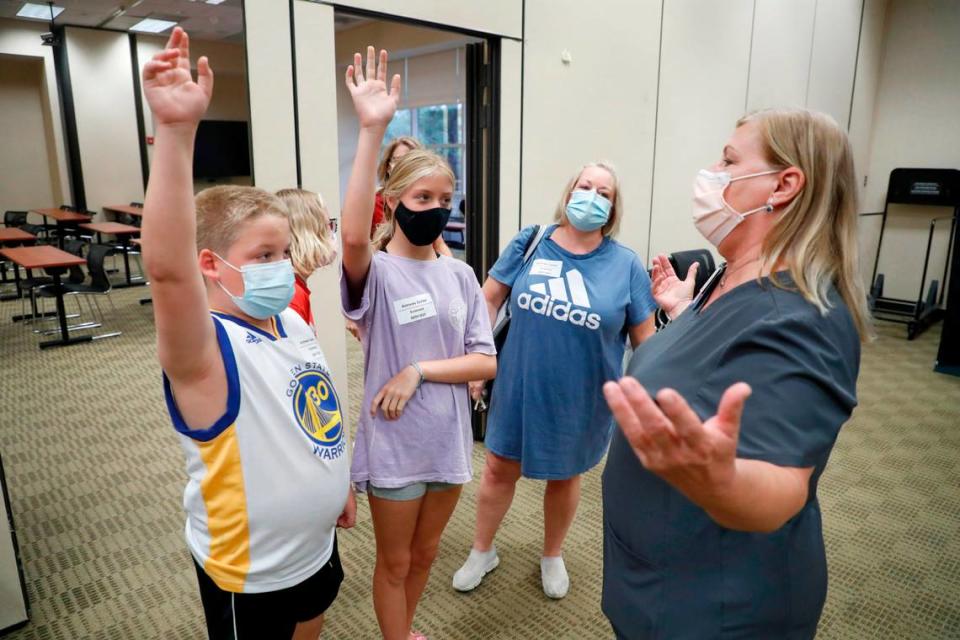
x,y
573,305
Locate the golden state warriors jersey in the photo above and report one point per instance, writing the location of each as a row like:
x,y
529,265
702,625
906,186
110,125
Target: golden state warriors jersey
x,y
268,480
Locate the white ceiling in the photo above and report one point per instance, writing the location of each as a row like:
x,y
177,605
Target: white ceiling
x,y
201,20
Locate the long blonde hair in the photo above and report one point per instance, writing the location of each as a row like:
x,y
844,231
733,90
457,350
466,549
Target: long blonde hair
x,y
312,244
816,235
612,227
383,169
415,165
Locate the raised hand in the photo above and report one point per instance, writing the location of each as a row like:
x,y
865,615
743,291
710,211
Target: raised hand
x,y
671,293
375,105
670,439
171,92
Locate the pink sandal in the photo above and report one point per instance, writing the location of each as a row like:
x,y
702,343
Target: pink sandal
x,y
416,635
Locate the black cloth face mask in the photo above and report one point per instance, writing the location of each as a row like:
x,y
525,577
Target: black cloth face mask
x,y
421,227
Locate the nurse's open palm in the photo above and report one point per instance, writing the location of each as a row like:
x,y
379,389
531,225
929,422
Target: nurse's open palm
x,y
375,105
670,439
168,85
671,293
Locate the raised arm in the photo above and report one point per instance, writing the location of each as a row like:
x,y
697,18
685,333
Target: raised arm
x,y
375,106
186,343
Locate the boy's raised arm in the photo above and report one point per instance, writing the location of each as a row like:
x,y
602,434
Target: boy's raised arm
x,y
186,343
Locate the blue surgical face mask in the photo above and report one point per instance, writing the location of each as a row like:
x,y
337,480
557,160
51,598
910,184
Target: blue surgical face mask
x,y
267,288
588,210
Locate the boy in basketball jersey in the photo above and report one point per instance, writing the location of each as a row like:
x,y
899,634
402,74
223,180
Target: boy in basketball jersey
x,y
246,384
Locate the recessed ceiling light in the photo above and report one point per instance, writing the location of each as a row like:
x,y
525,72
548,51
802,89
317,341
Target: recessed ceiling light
x,y
152,25
38,11
216,1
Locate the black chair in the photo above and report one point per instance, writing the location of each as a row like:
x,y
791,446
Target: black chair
x,y
13,219
137,219
18,219
98,286
34,285
681,261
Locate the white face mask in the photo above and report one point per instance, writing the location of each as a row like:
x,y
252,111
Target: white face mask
x,y
713,217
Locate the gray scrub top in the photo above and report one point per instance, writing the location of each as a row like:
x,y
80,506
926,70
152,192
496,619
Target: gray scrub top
x,y
669,570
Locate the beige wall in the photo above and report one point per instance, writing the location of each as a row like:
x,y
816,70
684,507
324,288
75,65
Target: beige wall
x,y
20,38
27,166
915,124
271,93
101,76
861,123
703,90
720,60
600,105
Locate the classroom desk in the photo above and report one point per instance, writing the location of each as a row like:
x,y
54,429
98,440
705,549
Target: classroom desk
x,y
123,233
63,218
15,237
124,208
55,262
12,235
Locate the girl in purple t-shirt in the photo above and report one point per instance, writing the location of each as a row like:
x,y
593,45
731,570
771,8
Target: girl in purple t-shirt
x,y
425,333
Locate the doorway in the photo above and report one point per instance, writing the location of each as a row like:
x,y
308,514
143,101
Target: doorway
x,y
448,104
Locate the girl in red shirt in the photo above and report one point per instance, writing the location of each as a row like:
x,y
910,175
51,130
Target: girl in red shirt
x,y
312,243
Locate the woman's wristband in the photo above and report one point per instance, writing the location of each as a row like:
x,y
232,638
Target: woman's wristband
x,y
416,367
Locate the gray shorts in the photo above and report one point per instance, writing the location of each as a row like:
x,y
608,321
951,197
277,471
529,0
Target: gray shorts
x,y
413,491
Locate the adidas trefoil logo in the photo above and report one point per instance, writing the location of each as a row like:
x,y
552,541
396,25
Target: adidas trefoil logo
x,y
563,299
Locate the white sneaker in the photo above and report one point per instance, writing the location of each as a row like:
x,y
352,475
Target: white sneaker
x,y
553,574
478,564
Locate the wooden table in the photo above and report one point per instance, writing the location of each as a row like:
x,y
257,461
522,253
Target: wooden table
x,y
14,236
56,263
124,208
63,218
123,233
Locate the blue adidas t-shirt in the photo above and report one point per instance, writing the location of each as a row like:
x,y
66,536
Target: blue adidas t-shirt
x,y
568,332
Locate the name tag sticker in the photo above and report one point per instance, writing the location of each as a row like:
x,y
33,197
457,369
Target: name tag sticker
x,y
414,308
311,346
549,268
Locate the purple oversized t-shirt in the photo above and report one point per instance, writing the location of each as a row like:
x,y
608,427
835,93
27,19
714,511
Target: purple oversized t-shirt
x,y
416,310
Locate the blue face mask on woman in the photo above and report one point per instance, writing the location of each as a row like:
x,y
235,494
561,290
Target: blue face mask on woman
x,y
267,288
588,210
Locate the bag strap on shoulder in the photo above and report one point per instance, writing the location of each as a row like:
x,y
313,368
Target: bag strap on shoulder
x,y
534,241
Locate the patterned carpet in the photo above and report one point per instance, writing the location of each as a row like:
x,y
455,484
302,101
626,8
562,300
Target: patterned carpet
x,y
95,477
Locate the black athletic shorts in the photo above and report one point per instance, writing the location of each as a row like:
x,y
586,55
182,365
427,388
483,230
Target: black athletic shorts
x,y
274,614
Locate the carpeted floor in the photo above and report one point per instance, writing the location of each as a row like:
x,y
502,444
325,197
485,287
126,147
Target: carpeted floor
x,y
95,478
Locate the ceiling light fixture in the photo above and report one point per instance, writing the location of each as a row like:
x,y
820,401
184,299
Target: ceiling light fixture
x,y
39,11
215,1
152,25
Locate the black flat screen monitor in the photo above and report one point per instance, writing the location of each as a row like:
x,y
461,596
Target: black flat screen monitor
x,y
222,149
